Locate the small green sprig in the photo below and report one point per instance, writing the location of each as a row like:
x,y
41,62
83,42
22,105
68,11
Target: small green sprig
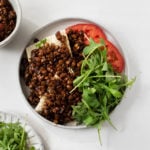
x,y
40,43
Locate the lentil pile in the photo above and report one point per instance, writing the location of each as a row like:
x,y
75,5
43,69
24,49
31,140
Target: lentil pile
x,y
7,19
51,72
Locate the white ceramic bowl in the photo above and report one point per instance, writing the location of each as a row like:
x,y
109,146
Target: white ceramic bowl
x,y
50,29
16,6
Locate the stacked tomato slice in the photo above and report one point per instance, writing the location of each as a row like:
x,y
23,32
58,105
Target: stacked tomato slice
x,y
93,31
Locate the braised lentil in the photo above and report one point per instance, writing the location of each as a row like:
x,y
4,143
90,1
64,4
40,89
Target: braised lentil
x,y
7,19
51,72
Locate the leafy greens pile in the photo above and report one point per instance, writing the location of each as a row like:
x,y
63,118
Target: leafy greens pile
x,y
13,137
102,88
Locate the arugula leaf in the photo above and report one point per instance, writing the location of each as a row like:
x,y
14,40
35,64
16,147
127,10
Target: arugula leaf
x,y
13,137
102,88
90,48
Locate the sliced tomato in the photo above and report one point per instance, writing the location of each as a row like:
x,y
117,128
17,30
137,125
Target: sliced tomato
x,y
114,57
91,30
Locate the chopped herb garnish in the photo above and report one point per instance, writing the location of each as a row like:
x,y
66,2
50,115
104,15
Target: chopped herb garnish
x,y
40,43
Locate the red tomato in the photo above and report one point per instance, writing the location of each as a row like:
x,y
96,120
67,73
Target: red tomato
x,y
114,57
91,31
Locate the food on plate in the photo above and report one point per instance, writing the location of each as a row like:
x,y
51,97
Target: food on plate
x,y
75,74
114,56
13,137
7,19
101,87
52,66
90,30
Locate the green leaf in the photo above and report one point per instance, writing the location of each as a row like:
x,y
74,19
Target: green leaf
x,y
105,66
40,43
32,148
92,46
90,98
102,41
102,88
89,120
12,136
129,83
115,93
78,79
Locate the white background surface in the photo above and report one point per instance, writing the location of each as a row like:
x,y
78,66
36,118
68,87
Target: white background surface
x,y
129,21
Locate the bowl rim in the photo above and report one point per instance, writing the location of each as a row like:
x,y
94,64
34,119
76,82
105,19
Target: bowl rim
x,y
48,122
18,22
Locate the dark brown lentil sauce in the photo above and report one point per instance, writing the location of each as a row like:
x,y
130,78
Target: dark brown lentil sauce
x,y
40,76
7,19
